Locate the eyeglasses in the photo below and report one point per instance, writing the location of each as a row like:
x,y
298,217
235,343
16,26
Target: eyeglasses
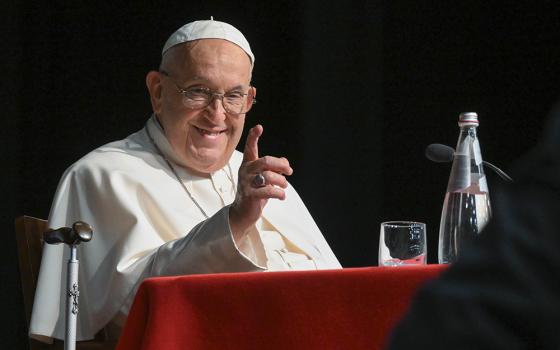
x,y
234,102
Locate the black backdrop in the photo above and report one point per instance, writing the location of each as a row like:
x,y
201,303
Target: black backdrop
x,y
350,92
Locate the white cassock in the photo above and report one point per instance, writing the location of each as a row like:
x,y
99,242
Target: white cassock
x,y
145,224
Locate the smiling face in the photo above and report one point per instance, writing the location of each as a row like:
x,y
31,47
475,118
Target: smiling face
x,y
205,138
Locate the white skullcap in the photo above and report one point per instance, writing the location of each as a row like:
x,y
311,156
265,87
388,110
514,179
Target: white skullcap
x,y
208,29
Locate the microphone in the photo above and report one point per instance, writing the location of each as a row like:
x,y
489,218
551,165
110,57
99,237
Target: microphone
x,y
436,152
439,153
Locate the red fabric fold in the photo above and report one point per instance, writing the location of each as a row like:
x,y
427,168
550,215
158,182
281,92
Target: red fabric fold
x,y
330,309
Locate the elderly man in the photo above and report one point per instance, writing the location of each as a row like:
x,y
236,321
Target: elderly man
x,y
175,197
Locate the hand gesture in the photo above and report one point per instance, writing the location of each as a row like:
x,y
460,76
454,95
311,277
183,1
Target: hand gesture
x,y
259,180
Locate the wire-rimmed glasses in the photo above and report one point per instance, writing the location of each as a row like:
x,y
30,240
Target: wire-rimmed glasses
x,y
234,102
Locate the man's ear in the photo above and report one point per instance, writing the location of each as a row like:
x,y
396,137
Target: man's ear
x,y
153,83
252,94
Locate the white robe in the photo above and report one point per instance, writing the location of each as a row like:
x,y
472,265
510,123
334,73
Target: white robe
x,y
146,225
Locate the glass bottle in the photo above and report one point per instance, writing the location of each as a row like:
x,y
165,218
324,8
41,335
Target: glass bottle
x,y
466,209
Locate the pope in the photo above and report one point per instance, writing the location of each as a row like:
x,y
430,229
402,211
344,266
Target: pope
x,y
176,197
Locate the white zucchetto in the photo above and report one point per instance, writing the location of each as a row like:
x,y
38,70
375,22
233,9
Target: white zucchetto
x,y
208,29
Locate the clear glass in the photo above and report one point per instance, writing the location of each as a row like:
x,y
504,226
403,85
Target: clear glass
x,y
402,243
466,208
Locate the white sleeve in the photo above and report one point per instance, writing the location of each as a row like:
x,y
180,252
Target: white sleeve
x,y
135,236
208,248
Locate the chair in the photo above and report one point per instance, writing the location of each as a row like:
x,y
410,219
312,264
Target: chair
x,y
29,237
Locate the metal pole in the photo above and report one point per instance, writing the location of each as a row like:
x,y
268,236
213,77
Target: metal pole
x,y
80,232
71,299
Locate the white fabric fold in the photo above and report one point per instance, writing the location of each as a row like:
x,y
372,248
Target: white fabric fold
x,y
145,225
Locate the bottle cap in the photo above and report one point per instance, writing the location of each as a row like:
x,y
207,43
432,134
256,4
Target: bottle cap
x,y
468,119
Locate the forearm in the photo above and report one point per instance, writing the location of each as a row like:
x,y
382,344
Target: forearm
x,y
208,248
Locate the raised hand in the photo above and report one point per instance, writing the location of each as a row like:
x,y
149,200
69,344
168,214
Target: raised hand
x,y
252,195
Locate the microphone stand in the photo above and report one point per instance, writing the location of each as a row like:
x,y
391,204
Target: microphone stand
x,y
498,171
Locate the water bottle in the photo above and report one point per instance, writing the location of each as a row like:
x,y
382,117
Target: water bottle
x,y
466,208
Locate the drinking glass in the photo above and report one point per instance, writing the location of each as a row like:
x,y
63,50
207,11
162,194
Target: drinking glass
x,y
402,243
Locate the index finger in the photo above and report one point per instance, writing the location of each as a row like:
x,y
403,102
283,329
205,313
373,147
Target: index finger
x,y
251,151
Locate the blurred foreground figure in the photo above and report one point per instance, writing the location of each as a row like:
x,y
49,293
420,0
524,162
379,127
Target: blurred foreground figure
x,y
176,197
504,293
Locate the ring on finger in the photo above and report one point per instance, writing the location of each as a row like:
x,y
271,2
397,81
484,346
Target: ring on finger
x,y
259,180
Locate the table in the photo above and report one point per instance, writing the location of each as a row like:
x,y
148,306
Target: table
x,y
353,308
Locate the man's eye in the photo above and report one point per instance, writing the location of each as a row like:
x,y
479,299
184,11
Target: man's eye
x,y
197,93
234,95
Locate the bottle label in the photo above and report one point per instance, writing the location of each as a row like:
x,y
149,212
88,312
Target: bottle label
x,y
483,184
476,151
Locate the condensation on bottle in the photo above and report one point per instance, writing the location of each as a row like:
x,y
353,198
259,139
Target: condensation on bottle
x,y
466,208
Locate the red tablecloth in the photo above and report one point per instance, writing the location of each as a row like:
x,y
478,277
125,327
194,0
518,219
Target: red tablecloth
x,y
330,309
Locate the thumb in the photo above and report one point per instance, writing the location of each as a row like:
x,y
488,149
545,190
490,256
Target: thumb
x,y
251,151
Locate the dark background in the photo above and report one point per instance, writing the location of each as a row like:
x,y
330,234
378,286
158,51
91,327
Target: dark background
x,y
350,92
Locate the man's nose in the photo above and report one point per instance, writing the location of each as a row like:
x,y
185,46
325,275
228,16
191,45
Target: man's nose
x,y
216,107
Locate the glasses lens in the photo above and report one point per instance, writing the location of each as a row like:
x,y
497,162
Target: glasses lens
x,y
234,102
196,98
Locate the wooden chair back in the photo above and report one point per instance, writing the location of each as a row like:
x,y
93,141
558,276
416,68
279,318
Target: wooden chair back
x,y
29,237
